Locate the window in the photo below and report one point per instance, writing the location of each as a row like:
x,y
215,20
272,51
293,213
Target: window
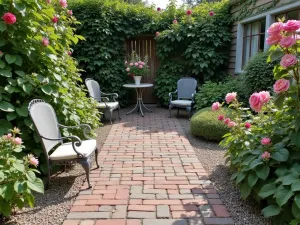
x,y
253,39
291,15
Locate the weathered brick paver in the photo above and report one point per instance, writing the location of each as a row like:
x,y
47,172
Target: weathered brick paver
x,y
149,175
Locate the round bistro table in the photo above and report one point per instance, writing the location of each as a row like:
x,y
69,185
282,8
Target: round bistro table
x,y
139,88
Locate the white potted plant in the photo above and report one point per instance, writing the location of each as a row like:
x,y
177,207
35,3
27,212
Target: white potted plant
x,y
136,67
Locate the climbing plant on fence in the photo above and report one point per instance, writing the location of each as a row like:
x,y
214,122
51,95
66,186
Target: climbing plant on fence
x,y
198,41
35,62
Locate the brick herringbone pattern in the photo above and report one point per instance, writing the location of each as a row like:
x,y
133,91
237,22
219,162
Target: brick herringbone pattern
x,y
149,175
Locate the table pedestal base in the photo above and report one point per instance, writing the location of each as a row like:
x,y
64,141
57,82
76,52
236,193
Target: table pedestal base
x,y
139,102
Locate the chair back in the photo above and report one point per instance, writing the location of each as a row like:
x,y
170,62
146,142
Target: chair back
x,y
93,88
45,122
186,86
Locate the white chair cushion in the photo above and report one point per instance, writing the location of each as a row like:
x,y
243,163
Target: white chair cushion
x,y
181,102
110,105
66,151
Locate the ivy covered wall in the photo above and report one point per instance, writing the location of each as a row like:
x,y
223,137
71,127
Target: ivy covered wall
x,y
197,43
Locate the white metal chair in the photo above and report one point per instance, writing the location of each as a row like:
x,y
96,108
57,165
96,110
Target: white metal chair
x,y
56,151
103,101
186,90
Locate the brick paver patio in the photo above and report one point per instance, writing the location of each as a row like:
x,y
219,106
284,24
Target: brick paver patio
x,y
149,175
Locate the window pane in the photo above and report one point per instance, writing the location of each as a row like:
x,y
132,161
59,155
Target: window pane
x,y
254,45
255,27
246,49
262,42
294,15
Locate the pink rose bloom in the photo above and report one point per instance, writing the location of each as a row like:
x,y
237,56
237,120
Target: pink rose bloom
x,y
141,66
136,64
287,42
45,41
211,13
175,22
291,25
70,12
265,96
255,102
230,97
63,3
231,124
221,117
227,120
216,106
266,155
189,12
127,69
69,53
32,160
9,18
247,125
288,60
49,1
265,141
273,39
18,141
142,63
275,28
281,85
131,64
8,136
157,34
158,9
55,19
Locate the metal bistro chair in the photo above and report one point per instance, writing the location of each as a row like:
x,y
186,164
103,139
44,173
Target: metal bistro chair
x,y
47,127
186,90
96,93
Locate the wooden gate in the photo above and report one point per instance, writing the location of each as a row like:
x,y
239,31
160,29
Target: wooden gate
x,y
145,46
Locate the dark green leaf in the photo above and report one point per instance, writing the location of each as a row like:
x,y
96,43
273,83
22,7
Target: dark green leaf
x,y
6,106
240,177
5,126
3,26
283,195
5,73
245,190
262,172
271,210
47,89
19,60
23,111
10,58
267,190
11,116
280,155
252,179
297,200
296,186
279,100
295,137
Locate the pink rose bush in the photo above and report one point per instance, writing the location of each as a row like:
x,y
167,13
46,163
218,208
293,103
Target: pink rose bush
x,y
55,19
189,12
17,169
216,106
134,66
63,3
230,97
45,41
263,142
211,13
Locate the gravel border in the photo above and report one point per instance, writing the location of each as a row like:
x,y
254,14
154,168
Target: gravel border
x,y
211,155
52,207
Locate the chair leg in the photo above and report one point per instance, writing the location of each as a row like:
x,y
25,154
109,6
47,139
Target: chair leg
x,y
178,112
48,176
85,163
119,113
190,112
170,109
96,157
111,112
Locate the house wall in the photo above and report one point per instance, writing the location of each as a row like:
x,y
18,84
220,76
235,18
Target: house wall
x,y
236,11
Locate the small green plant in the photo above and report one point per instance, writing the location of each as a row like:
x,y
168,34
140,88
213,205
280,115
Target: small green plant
x,y
17,174
205,124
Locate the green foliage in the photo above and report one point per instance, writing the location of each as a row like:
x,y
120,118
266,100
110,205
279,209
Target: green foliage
x,y
259,74
205,124
270,172
17,178
29,69
166,81
211,92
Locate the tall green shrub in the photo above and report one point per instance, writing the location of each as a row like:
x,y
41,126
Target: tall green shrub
x,y
259,73
35,63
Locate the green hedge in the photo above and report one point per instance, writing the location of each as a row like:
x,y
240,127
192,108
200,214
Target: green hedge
x,y
205,124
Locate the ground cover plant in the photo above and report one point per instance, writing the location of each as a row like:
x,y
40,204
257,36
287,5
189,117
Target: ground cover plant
x,y
264,145
36,62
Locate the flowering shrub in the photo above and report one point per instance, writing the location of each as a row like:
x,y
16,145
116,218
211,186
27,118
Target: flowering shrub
x,y
136,67
17,174
264,148
35,39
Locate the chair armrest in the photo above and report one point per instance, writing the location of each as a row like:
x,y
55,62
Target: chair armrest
x,y
114,95
170,95
86,128
75,142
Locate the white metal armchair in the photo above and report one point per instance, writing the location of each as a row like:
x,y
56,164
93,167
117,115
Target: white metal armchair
x,y
186,90
104,102
57,152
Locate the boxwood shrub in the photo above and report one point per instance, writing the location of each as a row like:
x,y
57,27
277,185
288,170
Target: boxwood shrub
x,y
205,124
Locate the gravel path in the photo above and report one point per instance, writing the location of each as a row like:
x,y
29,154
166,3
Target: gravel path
x,y
52,207
211,157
